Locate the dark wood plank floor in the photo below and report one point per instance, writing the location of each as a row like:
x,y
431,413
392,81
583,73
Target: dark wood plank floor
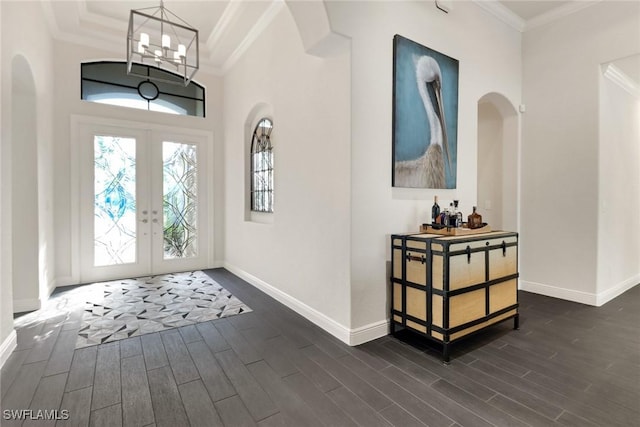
x,y
569,364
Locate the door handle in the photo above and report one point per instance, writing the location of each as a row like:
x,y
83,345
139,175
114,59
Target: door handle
x,y
144,220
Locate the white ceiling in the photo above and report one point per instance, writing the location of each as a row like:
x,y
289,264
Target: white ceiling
x,y
227,27
540,12
524,15
528,9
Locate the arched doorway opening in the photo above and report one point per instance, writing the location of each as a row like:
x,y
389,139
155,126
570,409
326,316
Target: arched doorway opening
x,y
24,188
498,162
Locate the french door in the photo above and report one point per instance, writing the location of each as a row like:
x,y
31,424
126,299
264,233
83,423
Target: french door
x,y
143,207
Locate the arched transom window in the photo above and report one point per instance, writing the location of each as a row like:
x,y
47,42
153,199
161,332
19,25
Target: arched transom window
x,y
262,167
107,82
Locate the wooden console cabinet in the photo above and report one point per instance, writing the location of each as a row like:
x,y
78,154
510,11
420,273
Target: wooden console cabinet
x,y
446,287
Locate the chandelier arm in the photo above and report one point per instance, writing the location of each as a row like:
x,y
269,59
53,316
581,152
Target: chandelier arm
x,y
176,35
178,18
176,24
147,8
146,17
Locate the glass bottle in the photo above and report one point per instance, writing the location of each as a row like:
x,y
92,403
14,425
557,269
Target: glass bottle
x,y
435,210
443,217
457,213
475,219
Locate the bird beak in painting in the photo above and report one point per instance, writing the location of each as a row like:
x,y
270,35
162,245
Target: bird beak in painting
x,y
437,89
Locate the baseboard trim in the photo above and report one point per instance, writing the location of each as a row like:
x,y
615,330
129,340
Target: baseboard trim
x,y
321,320
8,345
217,264
556,292
50,288
64,281
588,298
611,293
369,332
22,305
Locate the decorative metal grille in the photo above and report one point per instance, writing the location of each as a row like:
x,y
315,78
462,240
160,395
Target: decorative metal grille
x,y
180,197
108,82
114,200
262,167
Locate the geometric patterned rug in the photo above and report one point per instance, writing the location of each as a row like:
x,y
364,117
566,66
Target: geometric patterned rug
x,y
124,308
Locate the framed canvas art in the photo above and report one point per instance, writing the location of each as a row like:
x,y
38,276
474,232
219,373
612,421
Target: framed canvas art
x,y
425,116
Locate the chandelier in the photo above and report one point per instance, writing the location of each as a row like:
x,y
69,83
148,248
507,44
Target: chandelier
x,y
158,37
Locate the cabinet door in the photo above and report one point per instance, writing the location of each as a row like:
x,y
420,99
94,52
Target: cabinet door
x,y
417,307
467,307
503,262
466,270
503,295
416,264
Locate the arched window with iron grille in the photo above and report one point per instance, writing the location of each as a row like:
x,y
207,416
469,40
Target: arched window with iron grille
x,y
262,167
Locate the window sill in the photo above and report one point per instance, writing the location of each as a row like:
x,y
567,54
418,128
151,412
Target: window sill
x,y
261,217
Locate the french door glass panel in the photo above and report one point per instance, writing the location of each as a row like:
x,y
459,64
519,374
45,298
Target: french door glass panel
x,y
180,200
143,203
115,230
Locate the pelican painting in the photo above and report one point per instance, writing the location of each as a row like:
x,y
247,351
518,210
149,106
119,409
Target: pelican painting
x,y
425,114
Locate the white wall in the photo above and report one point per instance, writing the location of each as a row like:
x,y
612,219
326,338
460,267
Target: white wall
x,y
68,57
619,190
24,196
6,287
301,256
25,41
560,179
489,54
490,141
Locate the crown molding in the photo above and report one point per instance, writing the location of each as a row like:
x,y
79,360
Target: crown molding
x,y
228,16
93,19
558,12
50,18
106,42
267,17
114,46
79,34
618,77
504,14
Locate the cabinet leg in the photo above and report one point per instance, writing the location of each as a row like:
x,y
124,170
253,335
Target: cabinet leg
x,y
445,353
516,322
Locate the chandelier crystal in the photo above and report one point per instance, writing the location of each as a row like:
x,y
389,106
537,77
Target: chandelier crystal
x,y
158,37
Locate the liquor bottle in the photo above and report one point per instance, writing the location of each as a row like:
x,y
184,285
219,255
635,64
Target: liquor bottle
x,y
475,219
451,216
457,213
435,210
